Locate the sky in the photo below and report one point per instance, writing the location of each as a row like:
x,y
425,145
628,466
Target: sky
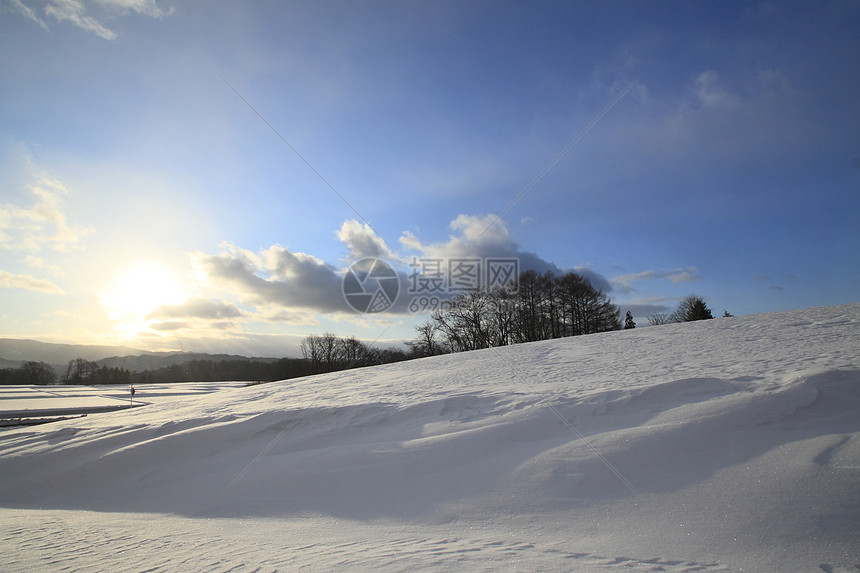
x,y
204,176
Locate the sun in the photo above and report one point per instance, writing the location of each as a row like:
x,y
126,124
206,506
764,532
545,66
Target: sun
x,y
140,288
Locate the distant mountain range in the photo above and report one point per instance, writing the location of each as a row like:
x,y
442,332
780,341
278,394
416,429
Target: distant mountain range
x,y
15,352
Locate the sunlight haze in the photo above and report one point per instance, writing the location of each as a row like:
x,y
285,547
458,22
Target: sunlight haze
x,y
189,175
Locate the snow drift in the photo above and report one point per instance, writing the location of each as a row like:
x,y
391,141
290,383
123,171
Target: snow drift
x,y
720,445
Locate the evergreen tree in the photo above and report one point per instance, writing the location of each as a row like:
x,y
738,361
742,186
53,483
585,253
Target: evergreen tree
x,y
628,321
691,308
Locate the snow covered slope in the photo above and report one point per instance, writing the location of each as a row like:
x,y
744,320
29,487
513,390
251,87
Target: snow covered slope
x,y
731,444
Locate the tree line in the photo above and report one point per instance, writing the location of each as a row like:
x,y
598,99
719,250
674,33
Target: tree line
x,y
30,374
225,371
325,353
328,352
87,372
541,307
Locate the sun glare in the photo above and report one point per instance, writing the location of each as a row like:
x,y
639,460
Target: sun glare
x,y
141,288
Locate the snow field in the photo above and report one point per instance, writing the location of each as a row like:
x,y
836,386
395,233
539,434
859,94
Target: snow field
x,y
721,445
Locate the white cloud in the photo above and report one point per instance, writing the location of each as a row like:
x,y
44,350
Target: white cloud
x,y
145,7
290,317
28,12
765,119
197,314
410,241
42,225
684,275
487,229
711,94
487,236
169,325
276,277
624,283
27,282
78,13
74,12
363,242
197,308
475,236
292,287
40,263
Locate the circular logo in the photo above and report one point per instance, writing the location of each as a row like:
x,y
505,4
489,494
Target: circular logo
x,y
370,286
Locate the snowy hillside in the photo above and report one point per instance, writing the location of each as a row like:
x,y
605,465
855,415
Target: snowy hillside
x,y
722,445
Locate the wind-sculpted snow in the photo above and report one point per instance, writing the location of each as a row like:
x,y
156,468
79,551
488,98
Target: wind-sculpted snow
x,y
731,444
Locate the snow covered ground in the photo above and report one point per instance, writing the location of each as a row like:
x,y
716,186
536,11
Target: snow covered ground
x,y
723,445
27,400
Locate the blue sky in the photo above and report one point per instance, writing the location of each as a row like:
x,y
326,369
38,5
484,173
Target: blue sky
x,y
142,201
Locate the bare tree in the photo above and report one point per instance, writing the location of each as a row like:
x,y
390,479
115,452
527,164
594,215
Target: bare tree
x,y
585,309
329,351
427,343
549,305
503,316
352,352
80,371
529,327
311,352
465,321
659,318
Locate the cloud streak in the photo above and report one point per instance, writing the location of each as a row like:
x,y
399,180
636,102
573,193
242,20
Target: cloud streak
x,y
196,308
624,283
27,282
77,13
28,13
74,12
711,93
42,225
